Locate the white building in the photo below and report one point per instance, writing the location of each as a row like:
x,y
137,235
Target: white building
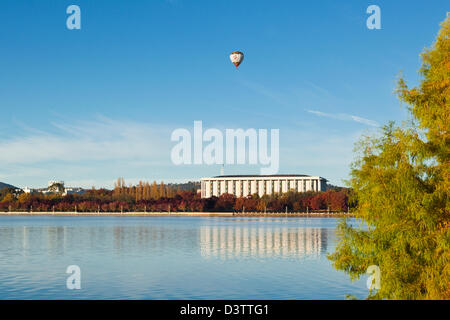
x,y
56,187
27,190
245,185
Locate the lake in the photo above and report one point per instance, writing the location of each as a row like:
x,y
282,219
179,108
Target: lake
x,y
164,257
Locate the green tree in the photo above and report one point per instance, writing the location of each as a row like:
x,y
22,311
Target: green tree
x,y
400,180
56,187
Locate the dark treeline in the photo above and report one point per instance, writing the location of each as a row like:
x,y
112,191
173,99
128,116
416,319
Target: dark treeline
x,y
146,197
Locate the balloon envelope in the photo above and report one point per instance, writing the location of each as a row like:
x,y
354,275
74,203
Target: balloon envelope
x,y
236,57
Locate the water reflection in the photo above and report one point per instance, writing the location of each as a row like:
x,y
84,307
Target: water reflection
x,y
164,258
62,240
213,241
232,242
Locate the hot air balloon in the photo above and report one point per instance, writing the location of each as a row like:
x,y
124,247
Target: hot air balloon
x,y
236,57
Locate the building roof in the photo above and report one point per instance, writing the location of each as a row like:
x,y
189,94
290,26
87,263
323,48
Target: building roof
x,y
262,176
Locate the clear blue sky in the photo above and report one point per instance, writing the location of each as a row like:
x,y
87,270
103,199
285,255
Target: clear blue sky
x,y
87,106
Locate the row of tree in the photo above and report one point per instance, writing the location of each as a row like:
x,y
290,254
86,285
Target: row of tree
x,y
142,191
163,199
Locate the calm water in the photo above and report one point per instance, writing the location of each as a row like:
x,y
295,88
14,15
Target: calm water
x,y
171,258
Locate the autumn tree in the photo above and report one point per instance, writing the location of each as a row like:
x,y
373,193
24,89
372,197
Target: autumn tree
x,y
162,190
9,197
146,191
225,202
119,187
154,194
400,180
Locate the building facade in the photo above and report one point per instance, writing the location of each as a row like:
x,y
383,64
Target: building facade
x,y
245,185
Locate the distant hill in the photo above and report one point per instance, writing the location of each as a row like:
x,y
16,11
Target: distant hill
x,y
335,188
187,186
5,185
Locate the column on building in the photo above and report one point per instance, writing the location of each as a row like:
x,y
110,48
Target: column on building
x,y
215,188
202,188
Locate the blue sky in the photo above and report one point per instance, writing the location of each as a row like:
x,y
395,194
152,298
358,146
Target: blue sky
x,y
87,106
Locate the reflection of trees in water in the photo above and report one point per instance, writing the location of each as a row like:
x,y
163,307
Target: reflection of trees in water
x,y
151,238
57,240
230,242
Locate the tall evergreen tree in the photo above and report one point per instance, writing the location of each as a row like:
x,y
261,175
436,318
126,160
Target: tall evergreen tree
x,y
401,186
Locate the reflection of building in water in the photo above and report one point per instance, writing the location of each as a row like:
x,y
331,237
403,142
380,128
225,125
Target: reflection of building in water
x,y
229,242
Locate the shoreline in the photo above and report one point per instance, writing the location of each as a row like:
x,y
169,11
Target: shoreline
x,y
192,214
